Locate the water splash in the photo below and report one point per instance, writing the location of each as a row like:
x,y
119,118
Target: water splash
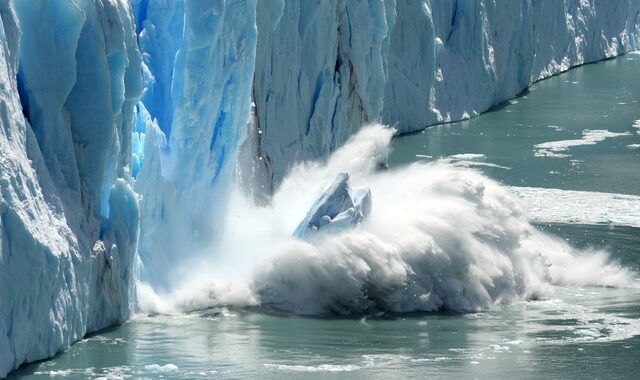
x,y
438,237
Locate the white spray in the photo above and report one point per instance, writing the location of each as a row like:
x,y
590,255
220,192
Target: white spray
x,y
439,237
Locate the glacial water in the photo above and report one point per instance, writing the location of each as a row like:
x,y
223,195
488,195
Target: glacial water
x,y
602,97
570,332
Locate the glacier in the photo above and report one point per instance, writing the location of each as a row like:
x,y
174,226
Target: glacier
x,y
337,86
192,139
126,123
68,213
410,64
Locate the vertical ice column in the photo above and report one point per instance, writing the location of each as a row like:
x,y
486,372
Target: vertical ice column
x,y
631,41
44,106
83,116
189,164
320,73
160,30
412,65
486,54
68,214
159,25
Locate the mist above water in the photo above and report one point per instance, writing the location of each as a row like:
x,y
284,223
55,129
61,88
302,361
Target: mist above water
x,y
439,237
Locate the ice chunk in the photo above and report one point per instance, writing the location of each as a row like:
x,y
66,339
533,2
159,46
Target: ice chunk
x,y
338,208
545,205
589,137
167,368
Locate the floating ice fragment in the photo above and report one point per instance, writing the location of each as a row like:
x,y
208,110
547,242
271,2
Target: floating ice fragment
x,y
589,137
471,160
338,208
468,156
581,207
161,368
309,368
587,333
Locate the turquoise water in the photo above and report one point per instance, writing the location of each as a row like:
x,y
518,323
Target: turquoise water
x,y
576,332
600,96
527,340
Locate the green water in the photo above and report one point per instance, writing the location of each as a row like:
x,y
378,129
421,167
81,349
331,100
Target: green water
x,y
573,333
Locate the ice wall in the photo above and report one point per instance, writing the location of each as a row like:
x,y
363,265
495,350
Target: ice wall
x,y
70,74
199,92
467,56
322,68
320,74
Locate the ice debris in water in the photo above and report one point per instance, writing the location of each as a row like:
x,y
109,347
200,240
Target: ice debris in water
x,y
156,368
589,137
338,208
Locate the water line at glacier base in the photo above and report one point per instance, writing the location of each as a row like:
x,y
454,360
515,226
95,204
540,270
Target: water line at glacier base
x,y
439,237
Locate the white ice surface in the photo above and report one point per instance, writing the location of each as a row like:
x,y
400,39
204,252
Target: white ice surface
x,y
410,64
579,207
589,137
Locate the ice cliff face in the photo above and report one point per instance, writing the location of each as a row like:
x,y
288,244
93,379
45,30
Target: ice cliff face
x,y
325,63
70,74
455,59
322,67
95,92
200,96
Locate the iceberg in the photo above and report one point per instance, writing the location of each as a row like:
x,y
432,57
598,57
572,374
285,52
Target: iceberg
x,y
337,208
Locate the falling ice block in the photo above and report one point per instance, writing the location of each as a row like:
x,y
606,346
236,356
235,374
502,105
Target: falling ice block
x,y
337,209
